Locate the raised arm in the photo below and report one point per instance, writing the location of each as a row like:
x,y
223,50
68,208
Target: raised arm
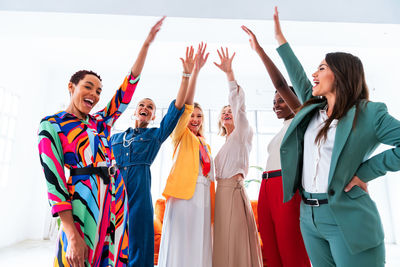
x,y
199,61
188,64
278,31
226,63
297,75
141,58
276,76
236,93
172,121
123,95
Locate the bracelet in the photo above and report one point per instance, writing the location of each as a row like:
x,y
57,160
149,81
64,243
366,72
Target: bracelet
x,y
186,75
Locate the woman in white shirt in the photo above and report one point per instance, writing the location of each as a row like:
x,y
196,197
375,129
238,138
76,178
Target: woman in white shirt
x,y
235,231
279,222
326,153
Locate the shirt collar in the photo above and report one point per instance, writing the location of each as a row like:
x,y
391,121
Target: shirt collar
x,y
63,114
322,112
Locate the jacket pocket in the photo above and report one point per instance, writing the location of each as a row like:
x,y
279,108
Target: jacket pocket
x,y
356,192
140,146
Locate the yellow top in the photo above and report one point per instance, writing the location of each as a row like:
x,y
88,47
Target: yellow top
x,y
182,179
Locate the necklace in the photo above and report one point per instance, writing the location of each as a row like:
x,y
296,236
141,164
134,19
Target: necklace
x,y
127,143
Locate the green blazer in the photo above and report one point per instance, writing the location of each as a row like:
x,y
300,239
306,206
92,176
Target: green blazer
x,y
355,212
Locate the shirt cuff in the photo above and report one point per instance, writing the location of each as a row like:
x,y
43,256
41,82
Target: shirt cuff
x,y
60,206
189,108
132,79
283,47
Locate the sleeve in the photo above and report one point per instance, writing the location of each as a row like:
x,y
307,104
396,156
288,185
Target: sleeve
x,y
52,160
387,130
182,124
169,121
297,75
119,101
237,103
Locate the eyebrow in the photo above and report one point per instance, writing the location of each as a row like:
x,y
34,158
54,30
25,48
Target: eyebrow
x,y
323,65
92,84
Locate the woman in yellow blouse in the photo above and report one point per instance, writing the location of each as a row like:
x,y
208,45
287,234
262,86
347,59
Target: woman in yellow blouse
x,y
186,233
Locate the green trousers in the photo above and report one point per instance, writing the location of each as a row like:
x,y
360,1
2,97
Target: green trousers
x,y
325,243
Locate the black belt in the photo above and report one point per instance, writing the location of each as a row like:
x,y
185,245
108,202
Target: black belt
x,y
313,201
267,175
103,172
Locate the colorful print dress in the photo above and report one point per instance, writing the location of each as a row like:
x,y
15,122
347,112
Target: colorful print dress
x,y
100,210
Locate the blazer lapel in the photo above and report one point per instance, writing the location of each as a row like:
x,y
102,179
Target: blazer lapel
x,y
300,117
343,130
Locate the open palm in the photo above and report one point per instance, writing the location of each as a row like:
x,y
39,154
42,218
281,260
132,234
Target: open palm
x,y
226,61
188,62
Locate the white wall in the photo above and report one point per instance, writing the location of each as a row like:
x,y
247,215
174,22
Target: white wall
x,y
40,51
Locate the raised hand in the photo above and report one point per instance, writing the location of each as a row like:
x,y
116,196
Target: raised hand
x,y
139,63
188,62
253,40
154,30
278,32
226,61
201,56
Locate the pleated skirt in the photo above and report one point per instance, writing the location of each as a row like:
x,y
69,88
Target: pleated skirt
x,y
236,242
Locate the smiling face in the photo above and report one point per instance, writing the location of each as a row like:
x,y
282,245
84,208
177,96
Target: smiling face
x,y
226,118
196,121
145,111
84,95
324,80
280,108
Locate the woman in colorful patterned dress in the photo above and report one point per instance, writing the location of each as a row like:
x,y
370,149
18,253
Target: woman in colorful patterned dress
x,y
91,201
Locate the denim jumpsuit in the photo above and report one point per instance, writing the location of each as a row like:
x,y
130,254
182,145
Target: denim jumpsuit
x,y
134,157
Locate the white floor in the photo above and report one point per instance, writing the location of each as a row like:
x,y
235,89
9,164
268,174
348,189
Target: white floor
x,y
39,253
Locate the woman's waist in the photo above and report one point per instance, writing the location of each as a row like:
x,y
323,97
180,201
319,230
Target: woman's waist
x,y
203,180
234,181
228,173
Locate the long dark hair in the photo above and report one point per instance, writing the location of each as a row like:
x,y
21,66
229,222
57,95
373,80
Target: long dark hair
x,y
349,85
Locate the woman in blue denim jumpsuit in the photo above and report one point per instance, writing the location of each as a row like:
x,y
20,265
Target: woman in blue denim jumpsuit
x,y
135,150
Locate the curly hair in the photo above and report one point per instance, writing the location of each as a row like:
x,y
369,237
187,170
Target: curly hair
x,y
80,75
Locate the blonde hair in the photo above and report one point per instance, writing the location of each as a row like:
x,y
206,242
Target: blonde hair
x,y
221,129
201,130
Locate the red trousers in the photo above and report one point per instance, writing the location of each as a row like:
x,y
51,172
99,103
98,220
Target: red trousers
x,y
279,226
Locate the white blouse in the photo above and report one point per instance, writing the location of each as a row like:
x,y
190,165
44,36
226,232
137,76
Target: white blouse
x,y
274,157
233,157
317,157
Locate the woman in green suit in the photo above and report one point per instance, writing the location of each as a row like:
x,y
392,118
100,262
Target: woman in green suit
x,y
326,154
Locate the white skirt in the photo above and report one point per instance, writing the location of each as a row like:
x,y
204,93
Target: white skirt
x,y
186,233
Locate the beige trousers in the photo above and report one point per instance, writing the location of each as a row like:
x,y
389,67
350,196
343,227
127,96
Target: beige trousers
x,y
236,241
